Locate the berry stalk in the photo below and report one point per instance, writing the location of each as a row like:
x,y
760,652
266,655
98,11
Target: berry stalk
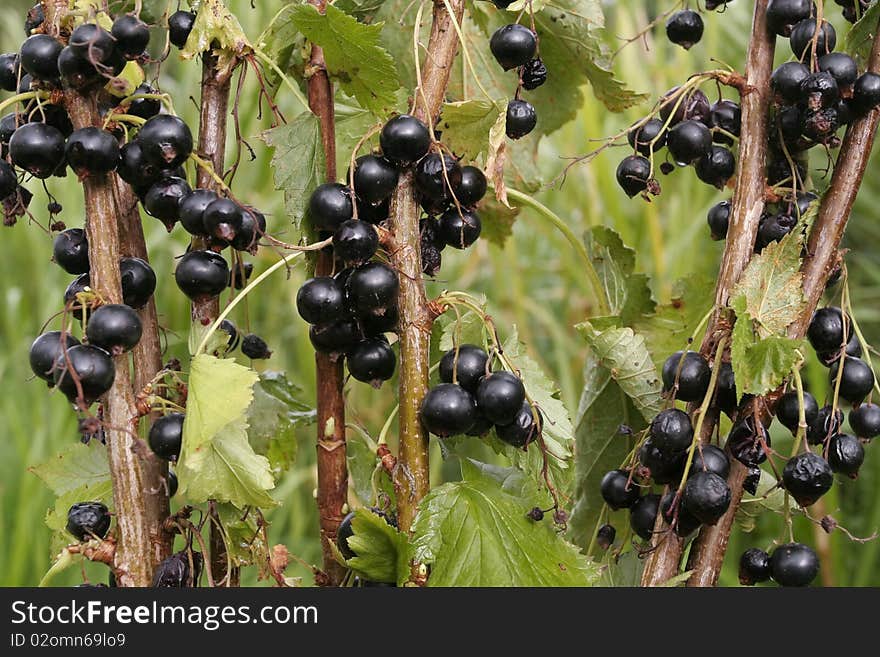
x,y
411,479
330,377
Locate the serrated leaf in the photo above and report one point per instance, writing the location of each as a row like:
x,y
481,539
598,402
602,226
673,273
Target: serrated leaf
x,y
75,467
624,354
353,55
857,41
297,162
628,293
497,220
383,554
283,43
216,460
244,542
466,125
761,365
274,416
474,533
361,9
217,29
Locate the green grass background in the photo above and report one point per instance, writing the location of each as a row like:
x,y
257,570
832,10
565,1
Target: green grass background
x,y
535,282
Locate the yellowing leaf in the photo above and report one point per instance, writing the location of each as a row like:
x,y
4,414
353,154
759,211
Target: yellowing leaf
x,y
217,28
467,125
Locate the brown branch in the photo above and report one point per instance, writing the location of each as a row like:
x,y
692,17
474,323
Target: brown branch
x,y
707,553
330,376
411,480
746,208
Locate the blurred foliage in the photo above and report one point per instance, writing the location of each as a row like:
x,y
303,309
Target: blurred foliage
x,y
534,282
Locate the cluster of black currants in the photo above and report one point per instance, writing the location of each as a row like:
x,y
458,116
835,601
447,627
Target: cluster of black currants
x,y
693,131
515,46
792,564
470,399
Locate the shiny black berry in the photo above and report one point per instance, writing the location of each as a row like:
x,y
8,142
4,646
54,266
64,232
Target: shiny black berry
x,y
448,410
88,520
375,178
523,430
472,187
180,24
436,176
786,81
772,228
605,536
163,199
856,380
45,351
115,328
672,431
865,421
706,496
77,71
240,274
39,56
254,347
618,491
684,28
688,141
716,167
92,151
794,564
826,330
166,436
830,358
841,67
468,363
166,140
146,108
175,571
754,567
138,282
132,35
329,206
500,396
201,274
788,410
513,45
404,140
824,426
694,106
372,361
633,174
321,300
643,515
9,71
37,148
70,250
691,373
191,210
521,118
718,219
647,138
783,15
355,242
725,116
459,228
335,337
709,458
807,477
845,454
533,74
746,443
803,35
91,366
134,167
372,288
172,484
222,219
866,93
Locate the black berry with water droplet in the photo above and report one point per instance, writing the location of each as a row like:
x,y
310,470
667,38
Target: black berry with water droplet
x,y
684,28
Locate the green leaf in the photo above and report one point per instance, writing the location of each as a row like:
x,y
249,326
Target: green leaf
x,y
76,467
362,462
383,553
353,55
859,37
624,354
497,220
297,162
625,572
475,533
244,541
466,125
274,416
761,365
217,29
628,293
283,43
216,460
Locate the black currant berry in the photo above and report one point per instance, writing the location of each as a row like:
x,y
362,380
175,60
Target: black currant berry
x,y
500,396
138,282
175,572
672,431
88,520
253,227
355,242
234,336
92,151
830,358
404,140
633,174
9,70
605,536
643,515
321,300
330,205
91,366
856,380
803,36
688,141
807,477
726,397
685,523
375,178
163,199
725,116
166,436
706,496
37,148
694,106
533,74
39,56
146,108
46,350
747,444
343,533
522,430
191,210
459,228
754,567
134,168
513,45
472,187
772,228
132,35
786,81
783,15
469,363
240,275
824,426
684,28
692,377
648,138
372,361
788,410
115,328
201,274
166,140
336,337
180,24
70,250
820,125
794,564
92,43
8,180
708,458
845,454
718,219
172,484
448,410
866,93
716,167
222,219
865,421
481,427
521,118
826,331
841,67
372,288
436,176
664,468
819,90
77,71
254,347
618,491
